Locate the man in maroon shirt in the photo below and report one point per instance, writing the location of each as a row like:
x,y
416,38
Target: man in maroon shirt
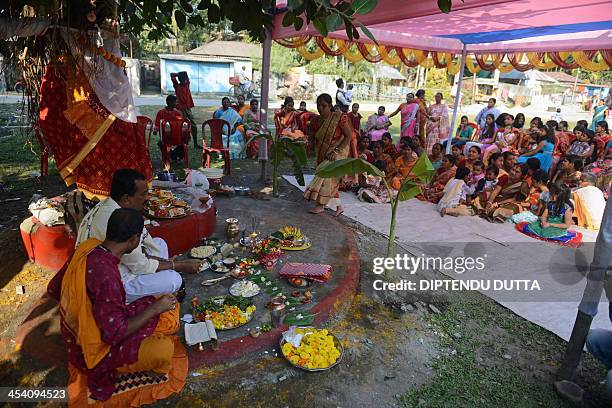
x,y
185,101
129,332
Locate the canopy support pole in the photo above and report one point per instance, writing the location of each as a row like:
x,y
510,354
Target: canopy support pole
x,y
457,100
265,93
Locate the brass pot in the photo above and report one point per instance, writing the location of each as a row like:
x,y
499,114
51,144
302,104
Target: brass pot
x,y
232,228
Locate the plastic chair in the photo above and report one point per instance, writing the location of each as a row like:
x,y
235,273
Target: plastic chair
x,y
179,135
475,131
147,123
216,143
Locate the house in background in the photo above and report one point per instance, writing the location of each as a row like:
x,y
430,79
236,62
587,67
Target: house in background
x,y
210,66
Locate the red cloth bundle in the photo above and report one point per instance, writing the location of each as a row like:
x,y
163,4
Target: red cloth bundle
x,y
315,272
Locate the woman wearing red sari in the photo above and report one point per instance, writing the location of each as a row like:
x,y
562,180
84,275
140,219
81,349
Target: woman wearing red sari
x,y
333,134
286,121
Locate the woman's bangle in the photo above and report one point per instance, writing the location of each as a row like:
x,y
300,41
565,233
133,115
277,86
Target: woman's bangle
x,y
173,268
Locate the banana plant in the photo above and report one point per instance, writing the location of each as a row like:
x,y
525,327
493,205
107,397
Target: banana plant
x,y
421,173
281,148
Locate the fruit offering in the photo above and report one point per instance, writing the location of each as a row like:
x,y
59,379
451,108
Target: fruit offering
x,y
317,349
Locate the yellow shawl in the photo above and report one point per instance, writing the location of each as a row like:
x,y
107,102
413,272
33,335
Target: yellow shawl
x,y
76,308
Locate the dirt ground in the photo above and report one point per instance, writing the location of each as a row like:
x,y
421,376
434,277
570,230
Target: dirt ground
x,y
465,351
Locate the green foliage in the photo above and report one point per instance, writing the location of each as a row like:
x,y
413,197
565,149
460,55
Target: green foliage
x,y
421,172
280,149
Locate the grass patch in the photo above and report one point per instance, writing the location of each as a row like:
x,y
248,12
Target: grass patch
x,y
474,373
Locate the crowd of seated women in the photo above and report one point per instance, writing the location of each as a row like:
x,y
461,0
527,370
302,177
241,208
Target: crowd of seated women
x,y
542,176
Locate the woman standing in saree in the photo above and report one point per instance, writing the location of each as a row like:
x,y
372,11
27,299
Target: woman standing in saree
x,y
600,112
408,112
422,116
437,125
333,135
236,139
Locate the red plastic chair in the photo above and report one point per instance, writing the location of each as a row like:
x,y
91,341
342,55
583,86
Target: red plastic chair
x,y
179,135
147,124
216,143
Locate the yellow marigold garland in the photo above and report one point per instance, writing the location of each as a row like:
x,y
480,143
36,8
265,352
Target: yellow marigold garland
x,y
310,56
539,63
589,64
395,60
352,56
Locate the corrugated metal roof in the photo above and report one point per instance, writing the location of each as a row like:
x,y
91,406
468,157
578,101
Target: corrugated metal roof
x,y
235,49
190,57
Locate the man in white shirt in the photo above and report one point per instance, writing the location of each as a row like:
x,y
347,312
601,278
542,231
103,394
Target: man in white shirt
x,y
341,101
245,82
481,118
146,270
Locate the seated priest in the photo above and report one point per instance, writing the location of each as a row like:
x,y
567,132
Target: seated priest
x,y
146,270
107,338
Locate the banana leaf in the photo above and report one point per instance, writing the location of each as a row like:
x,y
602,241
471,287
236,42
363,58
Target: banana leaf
x,y
423,169
348,167
409,189
297,148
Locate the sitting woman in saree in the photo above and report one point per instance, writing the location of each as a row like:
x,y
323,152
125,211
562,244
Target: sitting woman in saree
x,y
377,125
409,111
433,191
251,118
236,138
286,121
403,165
506,138
388,146
582,145
373,189
569,172
555,221
506,199
473,156
463,134
363,150
435,157
543,150
486,134
333,134
529,206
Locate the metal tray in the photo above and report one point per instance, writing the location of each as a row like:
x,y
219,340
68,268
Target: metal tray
x,y
312,370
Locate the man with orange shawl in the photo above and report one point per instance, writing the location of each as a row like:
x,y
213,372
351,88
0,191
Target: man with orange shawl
x,y
105,337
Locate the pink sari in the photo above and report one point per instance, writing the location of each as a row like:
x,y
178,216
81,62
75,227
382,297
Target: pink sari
x,y
438,130
409,114
376,134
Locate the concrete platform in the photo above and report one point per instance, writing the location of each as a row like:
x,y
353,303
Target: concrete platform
x,y
39,341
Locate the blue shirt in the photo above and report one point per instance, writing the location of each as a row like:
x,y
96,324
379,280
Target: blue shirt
x,y
481,118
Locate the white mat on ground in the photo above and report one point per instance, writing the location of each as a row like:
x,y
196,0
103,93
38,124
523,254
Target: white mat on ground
x,y
421,230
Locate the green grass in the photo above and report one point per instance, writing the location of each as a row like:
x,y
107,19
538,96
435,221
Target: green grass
x,y
462,381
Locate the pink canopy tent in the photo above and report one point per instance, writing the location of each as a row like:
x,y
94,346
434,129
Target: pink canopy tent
x,y
479,27
484,26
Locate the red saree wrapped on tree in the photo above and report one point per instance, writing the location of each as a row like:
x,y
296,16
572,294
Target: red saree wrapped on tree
x,y
88,142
